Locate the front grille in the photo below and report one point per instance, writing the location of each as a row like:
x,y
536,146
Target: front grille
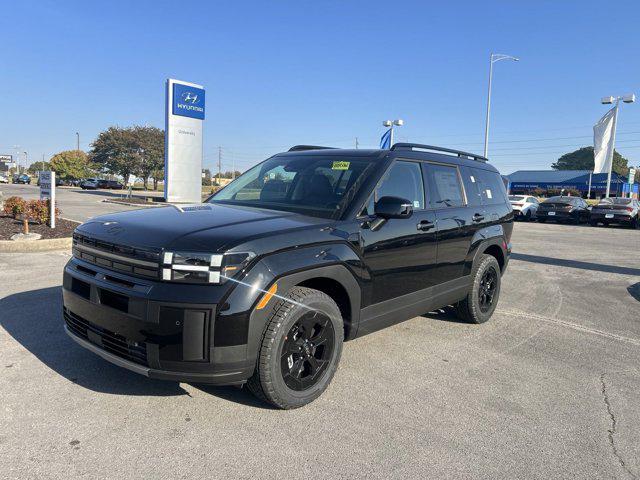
x,y
140,262
107,340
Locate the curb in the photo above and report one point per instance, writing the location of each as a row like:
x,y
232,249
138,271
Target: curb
x,y
11,246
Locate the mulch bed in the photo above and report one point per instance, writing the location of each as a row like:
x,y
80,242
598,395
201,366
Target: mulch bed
x,y
10,226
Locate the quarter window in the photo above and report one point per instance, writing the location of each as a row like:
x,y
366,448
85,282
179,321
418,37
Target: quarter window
x,y
444,183
491,187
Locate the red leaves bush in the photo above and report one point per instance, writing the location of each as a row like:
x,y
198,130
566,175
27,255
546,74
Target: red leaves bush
x,y
15,206
34,210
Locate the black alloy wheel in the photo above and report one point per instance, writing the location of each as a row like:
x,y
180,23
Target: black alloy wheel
x,y
300,349
487,289
306,351
481,301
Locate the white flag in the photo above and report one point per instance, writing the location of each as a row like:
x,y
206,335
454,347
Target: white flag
x,y
603,142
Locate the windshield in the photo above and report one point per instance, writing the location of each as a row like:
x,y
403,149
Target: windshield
x,y
515,198
312,185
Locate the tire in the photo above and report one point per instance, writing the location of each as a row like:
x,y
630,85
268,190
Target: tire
x,y
593,223
287,381
542,220
527,217
474,308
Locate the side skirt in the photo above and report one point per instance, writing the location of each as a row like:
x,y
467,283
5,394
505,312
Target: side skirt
x,y
387,313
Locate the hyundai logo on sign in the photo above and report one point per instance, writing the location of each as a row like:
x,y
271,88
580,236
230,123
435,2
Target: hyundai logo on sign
x,y
188,101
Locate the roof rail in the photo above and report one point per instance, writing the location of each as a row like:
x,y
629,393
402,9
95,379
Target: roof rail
x,y
459,153
299,148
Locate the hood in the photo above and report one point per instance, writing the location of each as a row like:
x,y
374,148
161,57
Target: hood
x,y
199,227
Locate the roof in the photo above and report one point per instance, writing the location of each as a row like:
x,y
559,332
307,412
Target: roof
x,y
561,176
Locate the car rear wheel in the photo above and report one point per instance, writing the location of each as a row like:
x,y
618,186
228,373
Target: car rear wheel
x,y
300,349
482,299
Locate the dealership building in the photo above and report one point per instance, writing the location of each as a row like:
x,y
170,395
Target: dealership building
x,y
527,181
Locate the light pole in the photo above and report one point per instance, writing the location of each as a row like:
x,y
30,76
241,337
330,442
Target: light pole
x,y
493,58
77,141
390,123
630,98
26,161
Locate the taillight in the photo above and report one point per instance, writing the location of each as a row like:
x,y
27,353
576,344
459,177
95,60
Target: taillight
x,y
629,209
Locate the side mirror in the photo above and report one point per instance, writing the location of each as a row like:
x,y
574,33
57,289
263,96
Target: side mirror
x,y
393,207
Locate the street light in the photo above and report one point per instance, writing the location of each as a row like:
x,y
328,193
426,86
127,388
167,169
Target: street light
x,y
495,57
78,141
390,123
629,98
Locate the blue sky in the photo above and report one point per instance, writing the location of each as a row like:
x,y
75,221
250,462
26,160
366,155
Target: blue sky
x,y
324,72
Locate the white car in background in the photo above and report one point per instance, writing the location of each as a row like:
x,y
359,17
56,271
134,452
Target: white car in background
x,y
525,207
3,179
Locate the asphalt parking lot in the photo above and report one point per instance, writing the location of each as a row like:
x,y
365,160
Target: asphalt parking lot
x,y
547,389
74,203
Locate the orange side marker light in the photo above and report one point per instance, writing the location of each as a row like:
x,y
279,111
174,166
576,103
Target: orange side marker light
x,y
267,296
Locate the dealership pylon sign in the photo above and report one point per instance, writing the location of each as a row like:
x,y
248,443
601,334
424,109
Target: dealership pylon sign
x,y
48,192
185,110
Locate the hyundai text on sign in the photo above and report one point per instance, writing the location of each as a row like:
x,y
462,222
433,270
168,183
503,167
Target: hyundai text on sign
x,y
188,101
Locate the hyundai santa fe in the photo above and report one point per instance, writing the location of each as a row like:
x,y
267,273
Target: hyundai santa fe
x,y
263,282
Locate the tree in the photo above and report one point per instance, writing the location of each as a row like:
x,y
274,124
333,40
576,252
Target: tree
x,y
582,159
38,167
150,145
133,150
70,164
116,151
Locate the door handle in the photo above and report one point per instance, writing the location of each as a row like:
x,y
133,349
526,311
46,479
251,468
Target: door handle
x,y
477,217
425,225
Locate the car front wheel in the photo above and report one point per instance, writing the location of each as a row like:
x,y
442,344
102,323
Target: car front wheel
x,y
300,349
482,299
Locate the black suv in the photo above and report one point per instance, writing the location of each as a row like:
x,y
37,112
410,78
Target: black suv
x,y
263,282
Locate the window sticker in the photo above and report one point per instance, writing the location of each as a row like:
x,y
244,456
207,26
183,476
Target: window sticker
x,y
416,204
489,193
473,179
338,165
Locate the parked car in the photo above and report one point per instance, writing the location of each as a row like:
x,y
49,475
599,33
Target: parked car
x,y
89,184
263,282
110,184
524,206
564,209
624,211
3,179
22,179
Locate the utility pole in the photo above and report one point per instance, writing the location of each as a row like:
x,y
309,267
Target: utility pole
x,y
78,141
219,165
357,144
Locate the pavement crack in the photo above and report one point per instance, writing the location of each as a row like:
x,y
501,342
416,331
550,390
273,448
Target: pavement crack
x,y
612,431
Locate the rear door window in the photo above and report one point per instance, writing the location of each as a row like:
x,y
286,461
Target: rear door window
x,y
444,186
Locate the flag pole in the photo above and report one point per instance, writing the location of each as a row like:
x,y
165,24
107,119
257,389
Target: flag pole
x,y
613,145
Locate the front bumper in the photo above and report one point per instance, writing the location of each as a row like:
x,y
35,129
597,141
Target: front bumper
x,y
155,329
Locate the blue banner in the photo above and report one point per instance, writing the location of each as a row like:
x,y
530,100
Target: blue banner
x,y
385,140
188,101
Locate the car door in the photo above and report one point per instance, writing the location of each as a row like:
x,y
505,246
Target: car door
x,y
401,254
457,218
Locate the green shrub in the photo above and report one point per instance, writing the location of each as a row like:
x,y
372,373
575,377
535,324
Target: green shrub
x,y
15,206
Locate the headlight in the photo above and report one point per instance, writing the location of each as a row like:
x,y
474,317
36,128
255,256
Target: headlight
x,y
195,267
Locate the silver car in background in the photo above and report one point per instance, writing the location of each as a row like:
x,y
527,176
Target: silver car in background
x,y
524,207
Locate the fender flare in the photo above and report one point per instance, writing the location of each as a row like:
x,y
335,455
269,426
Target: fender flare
x,y
483,239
